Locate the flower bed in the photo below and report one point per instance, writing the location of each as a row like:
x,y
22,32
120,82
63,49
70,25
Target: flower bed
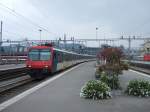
x,y
95,89
138,88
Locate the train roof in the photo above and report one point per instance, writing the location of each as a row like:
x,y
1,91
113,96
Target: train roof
x,y
60,50
40,47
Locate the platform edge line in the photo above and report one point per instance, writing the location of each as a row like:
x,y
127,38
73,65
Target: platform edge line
x,y
143,74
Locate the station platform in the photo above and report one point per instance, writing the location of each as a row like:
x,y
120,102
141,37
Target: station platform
x,y
61,93
11,66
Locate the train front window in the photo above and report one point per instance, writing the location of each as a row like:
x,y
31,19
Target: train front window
x,y
34,55
45,54
39,54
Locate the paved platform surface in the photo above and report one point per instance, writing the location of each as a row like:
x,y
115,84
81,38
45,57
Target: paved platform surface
x,y
62,95
11,66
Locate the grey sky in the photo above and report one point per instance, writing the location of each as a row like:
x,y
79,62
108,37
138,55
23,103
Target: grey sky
x,y
76,18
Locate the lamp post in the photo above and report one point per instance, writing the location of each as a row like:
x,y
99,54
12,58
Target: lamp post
x,y
96,32
1,26
97,36
40,35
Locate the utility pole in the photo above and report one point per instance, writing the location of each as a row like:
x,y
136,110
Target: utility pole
x,y
59,39
1,41
96,33
65,41
129,39
72,38
129,49
40,35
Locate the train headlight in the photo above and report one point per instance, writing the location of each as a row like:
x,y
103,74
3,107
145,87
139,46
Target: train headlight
x,y
46,66
29,66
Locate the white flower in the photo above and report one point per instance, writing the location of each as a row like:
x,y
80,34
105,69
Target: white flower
x,y
81,95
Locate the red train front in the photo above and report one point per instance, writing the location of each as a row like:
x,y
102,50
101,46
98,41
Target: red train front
x,y
39,61
147,57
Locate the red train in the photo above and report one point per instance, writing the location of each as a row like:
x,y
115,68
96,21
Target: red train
x,y
146,57
43,60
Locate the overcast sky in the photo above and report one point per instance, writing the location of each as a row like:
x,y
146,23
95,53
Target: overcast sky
x,y
77,18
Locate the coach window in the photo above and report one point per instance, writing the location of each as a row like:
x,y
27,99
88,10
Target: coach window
x,y
59,57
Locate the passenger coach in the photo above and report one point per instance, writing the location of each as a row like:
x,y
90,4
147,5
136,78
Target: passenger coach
x,y
44,60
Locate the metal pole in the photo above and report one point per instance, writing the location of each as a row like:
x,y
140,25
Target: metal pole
x,y
99,44
65,41
1,41
40,35
73,43
96,33
1,33
129,40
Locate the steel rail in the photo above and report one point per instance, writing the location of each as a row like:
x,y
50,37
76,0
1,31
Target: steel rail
x,y
15,82
12,73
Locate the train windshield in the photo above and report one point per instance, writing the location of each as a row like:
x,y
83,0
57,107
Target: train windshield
x,y
39,54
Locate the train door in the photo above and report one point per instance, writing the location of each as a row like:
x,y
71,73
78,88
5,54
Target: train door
x,y
55,61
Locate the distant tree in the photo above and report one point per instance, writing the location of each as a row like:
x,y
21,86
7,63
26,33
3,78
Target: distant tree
x,y
112,55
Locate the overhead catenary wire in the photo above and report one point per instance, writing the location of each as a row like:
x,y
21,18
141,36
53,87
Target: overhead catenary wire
x,y
25,18
6,31
22,27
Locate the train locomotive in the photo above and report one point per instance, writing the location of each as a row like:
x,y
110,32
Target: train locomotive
x,y
43,60
146,57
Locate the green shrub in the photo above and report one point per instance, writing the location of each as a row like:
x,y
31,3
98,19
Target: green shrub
x,y
114,82
99,71
125,65
138,88
97,74
101,68
95,89
111,81
104,77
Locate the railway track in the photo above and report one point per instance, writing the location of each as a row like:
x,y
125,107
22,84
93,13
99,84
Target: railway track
x,y
12,78
143,70
141,66
9,84
12,73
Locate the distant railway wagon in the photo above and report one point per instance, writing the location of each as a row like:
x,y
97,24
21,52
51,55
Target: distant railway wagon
x,y
44,60
147,57
13,50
